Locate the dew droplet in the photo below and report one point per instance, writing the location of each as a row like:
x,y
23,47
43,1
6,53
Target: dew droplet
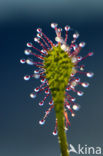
x,y
29,62
82,44
73,115
29,44
80,93
33,95
90,54
67,28
73,99
90,74
41,122
51,103
36,76
27,52
27,77
22,61
76,35
36,89
43,80
85,84
41,103
39,30
76,107
54,25
55,132
36,71
46,91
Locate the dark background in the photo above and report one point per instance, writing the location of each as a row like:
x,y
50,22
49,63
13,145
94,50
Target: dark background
x,y
20,133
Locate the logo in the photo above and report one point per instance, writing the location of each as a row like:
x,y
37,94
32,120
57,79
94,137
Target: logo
x,y
85,150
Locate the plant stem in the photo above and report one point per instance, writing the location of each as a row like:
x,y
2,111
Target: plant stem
x,y
59,110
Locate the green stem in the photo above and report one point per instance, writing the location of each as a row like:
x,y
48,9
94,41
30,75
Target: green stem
x,y
59,110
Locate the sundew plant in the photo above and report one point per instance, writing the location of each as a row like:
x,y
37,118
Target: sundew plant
x,y
57,69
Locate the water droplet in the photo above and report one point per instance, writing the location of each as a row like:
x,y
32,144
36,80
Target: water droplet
x,y
85,84
29,62
33,95
36,76
63,47
67,28
47,92
39,30
42,122
90,74
82,44
29,44
79,58
74,59
90,54
76,107
41,103
36,39
43,80
73,115
51,103
27,77
59,29
22,61
27,52
76,35
36,71
73,99
36,89
80,93
55,132
54,25
77,79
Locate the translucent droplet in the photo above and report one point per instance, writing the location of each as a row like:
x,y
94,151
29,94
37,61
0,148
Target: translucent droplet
x,y
76,35
54,25
76,107
59,29
33,95
90,54
39,35
80,93
36,71
22,61
51,103
72,114
63,47
39,30
73,99
55,132
36,89
47,92
36,76
27,77
29,62
77,79
68,106
85,84
42,122
36,39
29,44
82,44
43,80
67,28
90,74
27,52
74,59
79,58
41,103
